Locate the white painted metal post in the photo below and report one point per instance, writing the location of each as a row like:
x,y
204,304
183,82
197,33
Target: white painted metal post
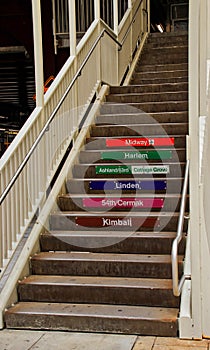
x,y
72,27
148,13
115,11
38,54
194,51
97,9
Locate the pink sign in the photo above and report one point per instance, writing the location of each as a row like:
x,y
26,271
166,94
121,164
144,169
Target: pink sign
x,y
140,142
123,202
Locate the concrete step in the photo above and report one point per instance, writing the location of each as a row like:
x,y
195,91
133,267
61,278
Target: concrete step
x,y
96,143
136,108
151,44
103,264
165,155
140,130
91,289
119,202
123,221
136,80
162,74
164,59
118,170
165,50
169,38
161,67
149,88
147,97
110,242
148,107
125,185
94,318
144,118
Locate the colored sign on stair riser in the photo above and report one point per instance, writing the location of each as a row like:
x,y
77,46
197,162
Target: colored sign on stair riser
x,y
128,185
139,155
117,222
123,202
140,142
131,169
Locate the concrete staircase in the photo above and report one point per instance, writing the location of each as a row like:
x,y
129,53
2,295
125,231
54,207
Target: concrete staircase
x,y
105,265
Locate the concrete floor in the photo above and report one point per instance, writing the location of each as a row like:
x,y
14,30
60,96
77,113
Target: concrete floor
x,y
43,340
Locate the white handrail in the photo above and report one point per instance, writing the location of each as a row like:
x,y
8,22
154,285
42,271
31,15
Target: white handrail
x,y
177,286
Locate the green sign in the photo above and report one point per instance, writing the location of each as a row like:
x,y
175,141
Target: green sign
x,y
112,169
137,155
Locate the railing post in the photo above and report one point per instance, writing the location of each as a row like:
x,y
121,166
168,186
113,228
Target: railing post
x,y
38,54
72,27
148,16
97,9
115,11
194,112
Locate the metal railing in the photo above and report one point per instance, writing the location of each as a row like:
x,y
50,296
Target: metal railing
x,y
177,285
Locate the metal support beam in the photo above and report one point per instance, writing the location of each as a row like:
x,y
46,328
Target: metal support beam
x,y
38,53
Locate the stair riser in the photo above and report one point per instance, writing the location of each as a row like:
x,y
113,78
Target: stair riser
x,y
162,74
100,143
90,157
161,59
68,204
117,108
83,187
150,88
157,97
141,81
92,324
173,44
89,171
102,268
162,51
170,39
140,130
170,106
66,222
174,117
92,294
161,67
130,245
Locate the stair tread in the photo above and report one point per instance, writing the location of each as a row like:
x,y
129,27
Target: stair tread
x,y
82,281
114,214
95,310
119,195
142,94
150,235
142,125
104,257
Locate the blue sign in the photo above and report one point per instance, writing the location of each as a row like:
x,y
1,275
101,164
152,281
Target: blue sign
x,y
128,185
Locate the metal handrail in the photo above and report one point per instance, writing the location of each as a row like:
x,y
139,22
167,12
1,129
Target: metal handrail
x,y
132,21
177,285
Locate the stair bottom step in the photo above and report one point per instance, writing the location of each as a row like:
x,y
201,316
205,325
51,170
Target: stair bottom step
x,y
94,318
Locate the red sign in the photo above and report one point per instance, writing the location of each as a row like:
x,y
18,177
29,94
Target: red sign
x,y
140,142
123,202
118,222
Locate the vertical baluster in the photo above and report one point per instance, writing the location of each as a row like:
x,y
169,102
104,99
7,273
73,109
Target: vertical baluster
x,y
97,9
72,27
